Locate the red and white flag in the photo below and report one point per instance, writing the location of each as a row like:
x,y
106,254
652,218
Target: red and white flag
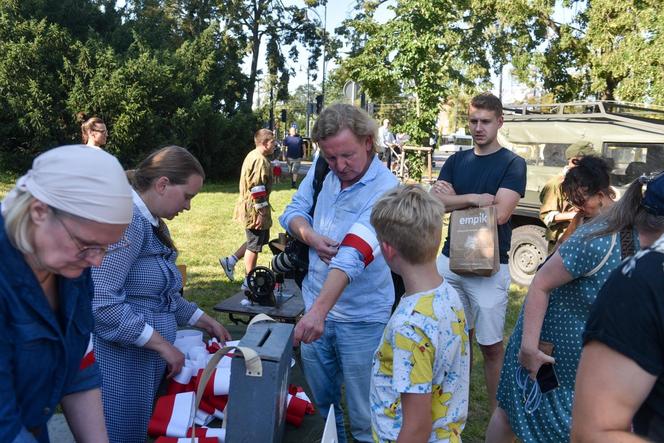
x,y
89,356
364,240
187,440
184,381
219,382
218,433
298,404
171,415
298,392
202,418
211,407
213,345
295,410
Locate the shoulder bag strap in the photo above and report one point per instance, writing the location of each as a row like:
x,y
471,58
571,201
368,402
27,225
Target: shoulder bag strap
x,y
601,264
627,247
319,176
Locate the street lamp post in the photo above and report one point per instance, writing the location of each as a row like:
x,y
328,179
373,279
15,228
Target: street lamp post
x,y
308,101
322,87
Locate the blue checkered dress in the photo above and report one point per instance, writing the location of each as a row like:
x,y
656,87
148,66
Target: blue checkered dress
x,y
135,287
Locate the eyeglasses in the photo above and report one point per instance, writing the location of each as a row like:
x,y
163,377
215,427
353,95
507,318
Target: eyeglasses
x,y
103,131
578,201
91,252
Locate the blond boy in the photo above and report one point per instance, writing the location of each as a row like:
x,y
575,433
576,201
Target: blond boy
x,y
419,385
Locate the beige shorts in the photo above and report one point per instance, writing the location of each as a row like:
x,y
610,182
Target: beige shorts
x,y
293,164
484,300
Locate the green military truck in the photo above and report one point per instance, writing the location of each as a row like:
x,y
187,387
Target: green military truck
x,y
629,136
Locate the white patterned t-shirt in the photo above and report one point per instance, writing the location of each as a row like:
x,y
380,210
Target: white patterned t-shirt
x,y
424,349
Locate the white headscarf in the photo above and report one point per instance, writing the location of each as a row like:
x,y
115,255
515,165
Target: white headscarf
x,y
89,183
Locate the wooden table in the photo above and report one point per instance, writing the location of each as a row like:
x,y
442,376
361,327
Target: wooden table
x,y
287,310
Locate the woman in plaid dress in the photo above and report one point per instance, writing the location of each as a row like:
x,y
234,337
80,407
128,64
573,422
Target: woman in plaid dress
x,y
137,302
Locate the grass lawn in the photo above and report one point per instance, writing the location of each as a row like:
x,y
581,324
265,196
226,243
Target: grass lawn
x,y
208,231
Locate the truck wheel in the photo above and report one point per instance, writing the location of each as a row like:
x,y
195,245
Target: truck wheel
x,y
528,251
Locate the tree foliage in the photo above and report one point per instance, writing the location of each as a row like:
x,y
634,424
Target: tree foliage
x,y
432,51
250,21
428,50
161,75
608,49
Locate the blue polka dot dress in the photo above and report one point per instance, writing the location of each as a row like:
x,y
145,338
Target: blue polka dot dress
x,y
568,310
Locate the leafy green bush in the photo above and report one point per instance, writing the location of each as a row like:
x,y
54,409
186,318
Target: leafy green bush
x,y
188,92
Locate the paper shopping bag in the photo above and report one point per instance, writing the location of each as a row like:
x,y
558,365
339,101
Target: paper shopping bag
x,y
474,242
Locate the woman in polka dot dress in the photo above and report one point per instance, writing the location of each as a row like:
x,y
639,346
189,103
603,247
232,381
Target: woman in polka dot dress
x,y
555,311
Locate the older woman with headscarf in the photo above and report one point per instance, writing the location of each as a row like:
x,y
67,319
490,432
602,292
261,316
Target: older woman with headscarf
x,y
137,303
57,222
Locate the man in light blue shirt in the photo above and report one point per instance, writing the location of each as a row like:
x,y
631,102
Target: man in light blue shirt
x,y
348,291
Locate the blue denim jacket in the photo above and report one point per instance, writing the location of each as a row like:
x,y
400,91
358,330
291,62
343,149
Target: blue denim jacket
x,y
370,294
40,350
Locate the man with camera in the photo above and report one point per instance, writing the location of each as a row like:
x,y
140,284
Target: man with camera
x,y
348,291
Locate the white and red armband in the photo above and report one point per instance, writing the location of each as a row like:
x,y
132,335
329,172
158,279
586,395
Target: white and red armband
x,y
258,192
364,240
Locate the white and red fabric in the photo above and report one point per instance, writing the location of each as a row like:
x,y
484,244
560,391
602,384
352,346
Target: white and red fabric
x,y
170,419
185,381
364,240
187,440
171,415
89,356
213,345
202,418
258,192
215,394
297,406
218,383
299,393
211,408
218,434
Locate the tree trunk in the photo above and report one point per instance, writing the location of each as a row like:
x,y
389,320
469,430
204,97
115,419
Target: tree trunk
x,y
256,37
255,49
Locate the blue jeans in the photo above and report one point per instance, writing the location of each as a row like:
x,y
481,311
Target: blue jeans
x,y
343,354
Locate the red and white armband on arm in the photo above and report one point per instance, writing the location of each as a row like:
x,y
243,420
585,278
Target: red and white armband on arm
x,y
259,196
258,192
364,240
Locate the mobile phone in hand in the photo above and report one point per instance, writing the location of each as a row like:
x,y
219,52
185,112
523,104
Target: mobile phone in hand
x,y
546,378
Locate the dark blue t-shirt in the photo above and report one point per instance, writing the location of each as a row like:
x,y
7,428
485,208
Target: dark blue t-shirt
x,y
478,174
293,144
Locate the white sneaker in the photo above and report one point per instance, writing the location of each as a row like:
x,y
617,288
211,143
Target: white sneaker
x,y
228,269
